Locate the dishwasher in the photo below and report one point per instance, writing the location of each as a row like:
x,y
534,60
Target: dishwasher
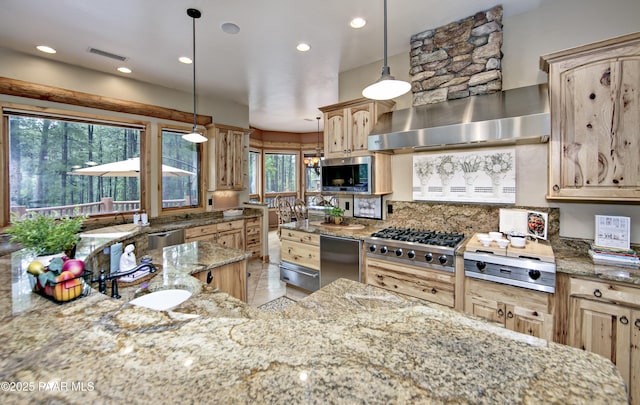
x,y
339,258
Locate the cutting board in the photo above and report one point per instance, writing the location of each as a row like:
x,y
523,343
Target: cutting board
x,y
536,250
338,226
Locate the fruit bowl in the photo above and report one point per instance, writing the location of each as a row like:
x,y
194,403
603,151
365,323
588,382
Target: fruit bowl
x,y
61,286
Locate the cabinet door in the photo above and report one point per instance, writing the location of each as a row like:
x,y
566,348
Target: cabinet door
x,y
529,322
485,308
335,134
232,239
604,329
634,377
360,123
229,159
238,172
594,150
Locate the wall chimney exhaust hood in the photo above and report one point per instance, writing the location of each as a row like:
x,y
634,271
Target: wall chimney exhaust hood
x,y
510,117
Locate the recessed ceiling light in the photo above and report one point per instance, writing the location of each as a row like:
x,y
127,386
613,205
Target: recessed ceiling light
x,y
358,22
230,28
186,60
45,49
123,69
302,47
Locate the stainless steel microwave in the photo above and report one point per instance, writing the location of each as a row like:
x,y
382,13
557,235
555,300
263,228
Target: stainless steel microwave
x,y
352,175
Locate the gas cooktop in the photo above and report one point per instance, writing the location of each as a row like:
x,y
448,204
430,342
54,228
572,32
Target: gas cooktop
x,y
426,237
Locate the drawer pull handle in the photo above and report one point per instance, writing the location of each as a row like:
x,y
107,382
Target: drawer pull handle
x,y
597,293
637,323
500,313
624,320
209,277
509,314
433,291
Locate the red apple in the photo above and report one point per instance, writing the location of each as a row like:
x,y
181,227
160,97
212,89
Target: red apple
x,y
74,266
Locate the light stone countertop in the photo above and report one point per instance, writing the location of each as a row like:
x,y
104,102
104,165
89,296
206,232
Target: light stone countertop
x,y
346,343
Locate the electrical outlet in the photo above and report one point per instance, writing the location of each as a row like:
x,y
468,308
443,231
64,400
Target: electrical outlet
x,y
389,208
346,205
210,201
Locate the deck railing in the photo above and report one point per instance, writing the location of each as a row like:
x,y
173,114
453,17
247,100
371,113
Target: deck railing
x,y
104,206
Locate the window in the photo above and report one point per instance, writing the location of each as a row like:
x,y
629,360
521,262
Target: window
x,y
280,174
181,170
66,165
254,175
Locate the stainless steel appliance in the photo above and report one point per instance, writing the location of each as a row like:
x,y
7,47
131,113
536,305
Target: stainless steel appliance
x,y
532,266
300,276
423,248
339,258
352,175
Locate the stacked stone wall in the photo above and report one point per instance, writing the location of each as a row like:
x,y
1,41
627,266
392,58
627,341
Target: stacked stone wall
x,y
460,59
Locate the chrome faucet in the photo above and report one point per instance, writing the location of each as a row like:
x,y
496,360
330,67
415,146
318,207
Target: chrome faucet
x,y
103,278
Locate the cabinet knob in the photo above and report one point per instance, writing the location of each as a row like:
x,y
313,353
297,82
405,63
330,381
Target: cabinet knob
x,y
624,320
209,277
637,323
433,291
597,293
556,187
509,314
500,313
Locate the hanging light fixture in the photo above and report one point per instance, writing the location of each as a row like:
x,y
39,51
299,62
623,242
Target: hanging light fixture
x,y
387,87
194,136
314,162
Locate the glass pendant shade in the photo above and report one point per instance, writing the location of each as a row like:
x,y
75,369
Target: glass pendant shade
x,y
194,137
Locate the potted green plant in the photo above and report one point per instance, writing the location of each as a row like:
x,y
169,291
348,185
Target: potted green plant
x,y
336,214
46,235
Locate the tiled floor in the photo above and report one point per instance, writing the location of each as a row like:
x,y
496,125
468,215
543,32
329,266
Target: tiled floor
x,y
264,285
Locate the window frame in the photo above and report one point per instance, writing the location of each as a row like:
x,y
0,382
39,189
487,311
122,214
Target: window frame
x,y
260,170
271,196
6,109
204,171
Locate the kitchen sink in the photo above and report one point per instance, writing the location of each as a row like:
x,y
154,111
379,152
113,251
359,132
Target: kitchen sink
x,y
162,300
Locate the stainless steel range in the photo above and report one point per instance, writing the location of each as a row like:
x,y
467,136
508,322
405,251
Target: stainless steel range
x,y
532,266
422,248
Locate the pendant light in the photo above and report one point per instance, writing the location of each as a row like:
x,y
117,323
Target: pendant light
x,y
194,136
314,162
387,87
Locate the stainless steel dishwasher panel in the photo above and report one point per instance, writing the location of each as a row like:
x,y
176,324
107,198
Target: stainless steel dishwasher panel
x,y
302,277
339,258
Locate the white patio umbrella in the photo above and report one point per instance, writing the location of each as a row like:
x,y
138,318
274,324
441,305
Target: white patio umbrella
x,y
126,168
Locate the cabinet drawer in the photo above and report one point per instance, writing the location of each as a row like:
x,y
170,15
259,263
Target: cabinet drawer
x,y
605,291
199,231
301,254
301,237
252,222
427,284
228,226
253,231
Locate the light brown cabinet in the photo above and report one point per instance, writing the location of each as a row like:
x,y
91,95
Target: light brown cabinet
x,y
228,168
518,309
253,236
604,318
301,248
428,284
347,126
231,234
230,278
595,127
207,233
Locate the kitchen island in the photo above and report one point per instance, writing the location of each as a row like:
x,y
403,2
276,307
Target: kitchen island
x,y
346,343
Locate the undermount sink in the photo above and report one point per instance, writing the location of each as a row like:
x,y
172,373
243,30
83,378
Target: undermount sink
x,y
162,300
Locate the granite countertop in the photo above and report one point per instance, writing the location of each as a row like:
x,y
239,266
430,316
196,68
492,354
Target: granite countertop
x,y
314,226
346,343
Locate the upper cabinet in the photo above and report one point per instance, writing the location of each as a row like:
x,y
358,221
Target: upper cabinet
x,y
347,126
594,152
228,153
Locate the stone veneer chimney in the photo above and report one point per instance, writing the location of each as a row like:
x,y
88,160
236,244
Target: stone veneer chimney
x,y
458,60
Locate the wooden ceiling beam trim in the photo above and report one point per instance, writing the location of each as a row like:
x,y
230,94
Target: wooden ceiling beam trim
x,y
21,88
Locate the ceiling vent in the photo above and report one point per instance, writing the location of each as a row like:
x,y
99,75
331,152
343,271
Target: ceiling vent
x,y
107,54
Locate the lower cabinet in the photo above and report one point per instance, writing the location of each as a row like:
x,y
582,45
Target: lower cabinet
x,y
253,236
231,234
604,318
207,233
428,284
230,278
518,309
301,248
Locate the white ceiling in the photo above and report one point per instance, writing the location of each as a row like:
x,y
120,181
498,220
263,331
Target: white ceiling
x,y
259,67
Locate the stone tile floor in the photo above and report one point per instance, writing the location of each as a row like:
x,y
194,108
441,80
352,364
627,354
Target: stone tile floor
x,y
264,285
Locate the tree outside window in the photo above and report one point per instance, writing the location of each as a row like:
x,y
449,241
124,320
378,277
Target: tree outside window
x,y
180,171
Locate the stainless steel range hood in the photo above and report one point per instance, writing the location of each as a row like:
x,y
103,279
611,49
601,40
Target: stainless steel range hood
x,y
505,118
